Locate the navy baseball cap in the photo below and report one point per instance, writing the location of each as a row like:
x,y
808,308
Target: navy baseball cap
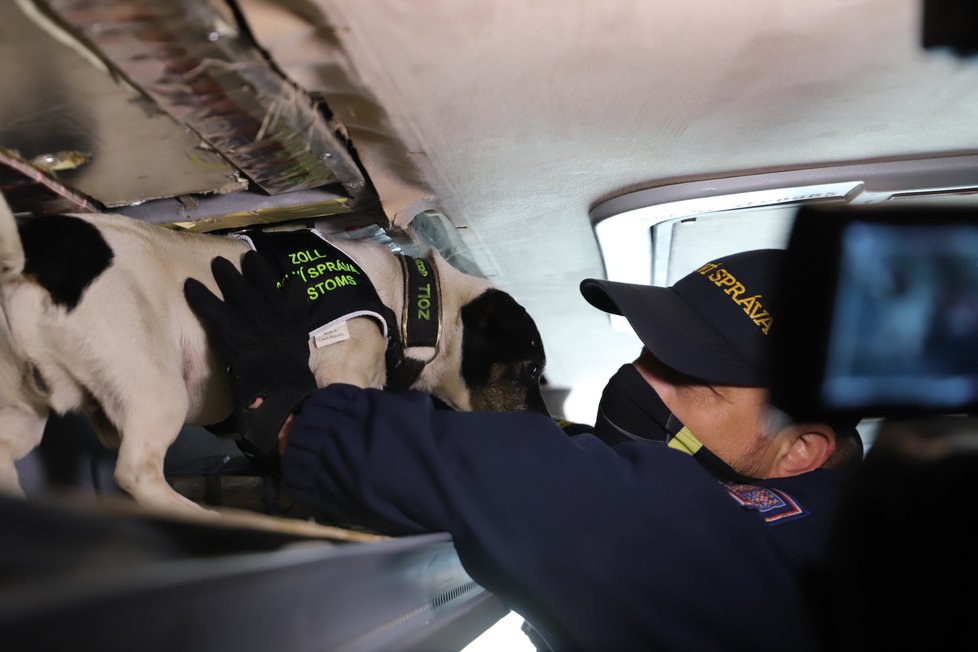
x,y
713,324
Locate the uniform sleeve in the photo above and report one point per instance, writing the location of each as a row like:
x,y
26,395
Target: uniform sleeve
x,y
600,548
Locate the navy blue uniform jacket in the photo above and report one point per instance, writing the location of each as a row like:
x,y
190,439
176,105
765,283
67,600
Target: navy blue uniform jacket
x,y
601,548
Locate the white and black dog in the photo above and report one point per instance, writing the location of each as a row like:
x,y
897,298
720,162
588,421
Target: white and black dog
x,y
93,319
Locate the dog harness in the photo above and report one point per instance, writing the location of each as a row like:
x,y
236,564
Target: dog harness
x,y
339,290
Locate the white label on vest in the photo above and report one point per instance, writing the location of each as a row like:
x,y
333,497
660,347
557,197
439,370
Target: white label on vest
x,y
338,333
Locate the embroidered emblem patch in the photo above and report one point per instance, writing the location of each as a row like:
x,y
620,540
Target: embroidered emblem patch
x,y
774,505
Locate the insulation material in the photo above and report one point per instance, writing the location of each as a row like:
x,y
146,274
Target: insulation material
x,y
64,114
308,44
191,60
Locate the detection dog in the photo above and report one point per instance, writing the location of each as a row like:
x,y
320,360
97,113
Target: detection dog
x,y
93,319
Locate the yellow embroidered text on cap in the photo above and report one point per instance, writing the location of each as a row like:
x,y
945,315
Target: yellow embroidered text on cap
x,y
751,305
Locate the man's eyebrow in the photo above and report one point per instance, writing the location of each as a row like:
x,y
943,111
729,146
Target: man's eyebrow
x,y
719,394
703,390
681,380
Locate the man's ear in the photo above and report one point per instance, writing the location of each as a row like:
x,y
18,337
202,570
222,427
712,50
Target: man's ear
x,y
803,448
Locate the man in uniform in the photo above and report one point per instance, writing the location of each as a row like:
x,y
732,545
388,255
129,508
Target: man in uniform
x,y
685,521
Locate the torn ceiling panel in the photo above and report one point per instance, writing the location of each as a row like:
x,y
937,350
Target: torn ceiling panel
x,y
306,39
243,209
193,62
78,124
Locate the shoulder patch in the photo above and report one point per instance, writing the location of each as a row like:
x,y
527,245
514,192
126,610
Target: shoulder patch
x,y
64,254
774,506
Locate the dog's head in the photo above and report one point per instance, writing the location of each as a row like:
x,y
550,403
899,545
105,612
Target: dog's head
x,y
502,355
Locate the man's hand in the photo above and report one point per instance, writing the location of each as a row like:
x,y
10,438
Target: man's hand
x,y
262,332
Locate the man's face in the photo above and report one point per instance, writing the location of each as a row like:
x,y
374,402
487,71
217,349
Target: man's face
x,y
730,421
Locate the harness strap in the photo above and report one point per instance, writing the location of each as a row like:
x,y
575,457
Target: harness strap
x,y
420,321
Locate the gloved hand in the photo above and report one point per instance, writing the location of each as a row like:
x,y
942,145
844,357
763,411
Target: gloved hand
x,y
262,331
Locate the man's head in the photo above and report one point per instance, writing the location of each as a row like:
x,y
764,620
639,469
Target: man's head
x,y
736,424
706,344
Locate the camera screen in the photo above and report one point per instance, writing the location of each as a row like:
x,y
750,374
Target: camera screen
x,y
904,328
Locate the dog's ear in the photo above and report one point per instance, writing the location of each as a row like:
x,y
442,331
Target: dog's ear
x,y
502,354
495,310
495,328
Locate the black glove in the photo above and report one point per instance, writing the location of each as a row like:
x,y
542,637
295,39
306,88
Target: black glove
x,y
262,331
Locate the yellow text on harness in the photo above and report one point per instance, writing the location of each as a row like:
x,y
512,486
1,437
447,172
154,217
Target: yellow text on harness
x,y
424,292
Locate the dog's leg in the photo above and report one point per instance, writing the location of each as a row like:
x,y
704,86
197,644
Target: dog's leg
x,y
9,482
148,428
21,429
358,361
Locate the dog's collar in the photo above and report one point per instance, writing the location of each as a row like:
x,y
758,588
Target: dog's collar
x,y
420,321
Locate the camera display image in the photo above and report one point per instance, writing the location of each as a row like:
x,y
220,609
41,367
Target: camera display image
x,y
905,321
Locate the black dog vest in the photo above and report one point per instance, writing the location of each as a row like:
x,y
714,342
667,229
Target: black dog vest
x,y
339,290
337,287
